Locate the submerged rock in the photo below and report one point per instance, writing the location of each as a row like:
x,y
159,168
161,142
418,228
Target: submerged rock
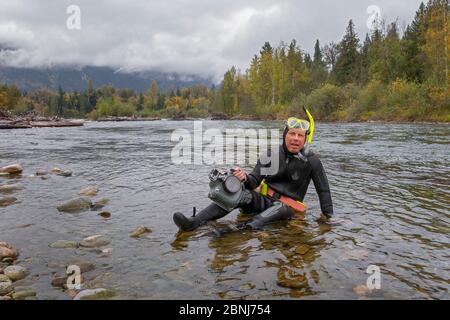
x,y
95,294
5,288
140,231
61,172
7,251
75,205
21,295
95,241
41,173
11,187
59,282
362,290
63,244
12,169
6,201
302,249
102,201
105,214
15,272
85,266
89,191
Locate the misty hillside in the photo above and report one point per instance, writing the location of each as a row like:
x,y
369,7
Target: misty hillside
x,y
76,79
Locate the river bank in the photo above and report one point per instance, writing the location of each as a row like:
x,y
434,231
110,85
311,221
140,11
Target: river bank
x,y
8,121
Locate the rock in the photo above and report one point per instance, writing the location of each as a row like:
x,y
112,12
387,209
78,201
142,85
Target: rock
x,y
61,172
15,272
361,290
95,241
99,281
4,278
356,254
89,191
11,187
72,293
105,214
102,201
302,249
4,298
75,205
21,295
12,169
95,294
6,201
7,252
106,253
85,266
5,288
44,178
59,282
41,173
63,244
140,231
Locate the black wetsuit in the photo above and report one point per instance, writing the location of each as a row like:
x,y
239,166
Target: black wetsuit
x,y
292,180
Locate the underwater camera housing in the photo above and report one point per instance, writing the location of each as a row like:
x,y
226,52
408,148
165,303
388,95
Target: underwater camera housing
x,y
225,189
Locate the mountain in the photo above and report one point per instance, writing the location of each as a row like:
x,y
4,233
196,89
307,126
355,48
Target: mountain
x,y
73,79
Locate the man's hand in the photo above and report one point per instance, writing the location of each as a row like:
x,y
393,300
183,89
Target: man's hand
x,y
240,174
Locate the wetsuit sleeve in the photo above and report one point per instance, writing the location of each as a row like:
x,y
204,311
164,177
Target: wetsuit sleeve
x,y
322,187
254,178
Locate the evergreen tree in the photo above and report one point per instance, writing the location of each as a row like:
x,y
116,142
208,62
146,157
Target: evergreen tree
x,y
347,63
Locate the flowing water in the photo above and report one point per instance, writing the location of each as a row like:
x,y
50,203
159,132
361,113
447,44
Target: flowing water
x,y
390,185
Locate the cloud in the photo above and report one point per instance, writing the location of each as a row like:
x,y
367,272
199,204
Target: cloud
x,y
203,37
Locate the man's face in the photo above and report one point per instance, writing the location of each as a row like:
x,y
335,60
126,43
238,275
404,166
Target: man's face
x,y
295,140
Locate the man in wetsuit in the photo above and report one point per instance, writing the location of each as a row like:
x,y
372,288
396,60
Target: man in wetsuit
x,y
287,187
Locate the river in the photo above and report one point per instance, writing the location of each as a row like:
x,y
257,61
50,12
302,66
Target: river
x,y
390,185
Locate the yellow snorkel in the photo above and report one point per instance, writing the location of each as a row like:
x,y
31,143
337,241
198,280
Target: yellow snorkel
x,y
311,125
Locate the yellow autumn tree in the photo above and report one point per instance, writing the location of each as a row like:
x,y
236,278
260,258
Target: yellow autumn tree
x,y
3,100
437,41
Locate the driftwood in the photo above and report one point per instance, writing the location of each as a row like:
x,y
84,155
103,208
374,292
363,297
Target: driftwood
x,y
7,121
127,119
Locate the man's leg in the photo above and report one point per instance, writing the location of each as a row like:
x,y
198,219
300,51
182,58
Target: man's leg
x,y
211,212
277,212
265,211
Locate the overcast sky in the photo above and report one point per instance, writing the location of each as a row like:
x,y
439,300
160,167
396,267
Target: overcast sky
x,y
204,37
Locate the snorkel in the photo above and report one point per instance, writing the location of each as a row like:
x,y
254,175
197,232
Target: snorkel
x,y
309,133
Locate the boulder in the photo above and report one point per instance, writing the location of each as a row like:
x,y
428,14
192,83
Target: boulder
x,y
63,244
41,172
5,288
95,294
61,172
95,241
7,252
22,295
75,205
89,191
140,231
12,169
105,214
11,187
6,201
15,272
